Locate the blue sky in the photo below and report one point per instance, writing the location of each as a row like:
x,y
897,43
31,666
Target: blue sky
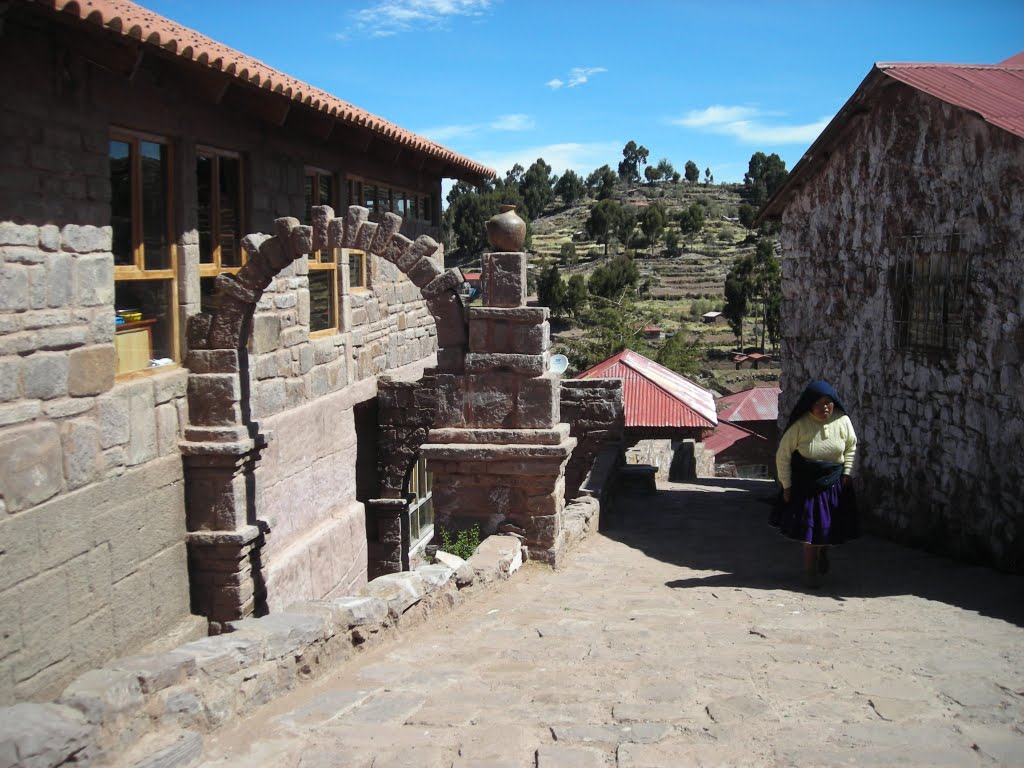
x,y
506,81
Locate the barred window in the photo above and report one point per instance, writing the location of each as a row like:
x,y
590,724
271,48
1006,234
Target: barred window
x,y
930,286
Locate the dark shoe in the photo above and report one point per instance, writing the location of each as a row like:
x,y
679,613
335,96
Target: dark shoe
x,y
823,563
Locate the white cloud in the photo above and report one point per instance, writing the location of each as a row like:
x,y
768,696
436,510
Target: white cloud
x,y
514,122
580,157
577,76
748,124
390,17
506,123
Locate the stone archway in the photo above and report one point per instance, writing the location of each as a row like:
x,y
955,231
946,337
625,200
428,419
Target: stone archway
x,y
222,443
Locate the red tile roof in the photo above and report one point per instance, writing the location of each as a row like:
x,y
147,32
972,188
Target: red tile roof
x,y
653,395
757,404
130,20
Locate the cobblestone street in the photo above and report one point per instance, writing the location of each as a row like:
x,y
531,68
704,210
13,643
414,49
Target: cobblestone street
x,y
680,636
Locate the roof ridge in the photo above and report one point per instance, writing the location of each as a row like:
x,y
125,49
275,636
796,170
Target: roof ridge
x,y
147,27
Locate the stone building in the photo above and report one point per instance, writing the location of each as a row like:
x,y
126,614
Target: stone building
x,y
188,417
903,267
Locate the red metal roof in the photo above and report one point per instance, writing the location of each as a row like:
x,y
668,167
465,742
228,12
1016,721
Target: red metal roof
x,y
757,404
653,395
994,91
727,435
130,20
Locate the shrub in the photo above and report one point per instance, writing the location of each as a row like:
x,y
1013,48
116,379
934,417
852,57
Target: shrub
x,y
465,543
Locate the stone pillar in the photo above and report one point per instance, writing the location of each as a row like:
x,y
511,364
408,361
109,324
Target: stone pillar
x,y
226,572
498,449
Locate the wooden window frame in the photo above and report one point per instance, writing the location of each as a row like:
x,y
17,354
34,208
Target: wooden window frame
x,y
214,268
327,259
419,494
347,255
137,271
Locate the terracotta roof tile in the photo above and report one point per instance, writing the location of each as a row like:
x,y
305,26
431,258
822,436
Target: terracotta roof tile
x,y
131,20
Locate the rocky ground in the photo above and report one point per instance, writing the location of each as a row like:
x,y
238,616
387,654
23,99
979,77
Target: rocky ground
x,y
680,636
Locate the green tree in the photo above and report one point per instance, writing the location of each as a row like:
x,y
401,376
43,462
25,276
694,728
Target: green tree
x,y
551,289
691,219
625,225
709,178
610,326
575,295
765,174
535,188
766,284
652,174
567,253
665,169
611,281
682,355
737,286
602,182
652,223
747,214
469,208
570,187
672,243
603,220
633,156
692,172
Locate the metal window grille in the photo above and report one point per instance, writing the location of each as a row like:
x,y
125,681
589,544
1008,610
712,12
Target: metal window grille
x,y
931,279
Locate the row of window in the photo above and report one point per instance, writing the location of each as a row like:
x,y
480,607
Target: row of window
x,y
145,259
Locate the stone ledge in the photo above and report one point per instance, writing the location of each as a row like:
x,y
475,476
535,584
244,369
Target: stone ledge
x,y
495,452
501,436
138,708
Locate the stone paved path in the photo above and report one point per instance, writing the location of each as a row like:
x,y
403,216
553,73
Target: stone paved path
x,y
680,636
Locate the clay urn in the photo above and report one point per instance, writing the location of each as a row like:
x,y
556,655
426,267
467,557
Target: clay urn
x,y
506,232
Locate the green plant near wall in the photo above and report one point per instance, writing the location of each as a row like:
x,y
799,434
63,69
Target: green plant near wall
x,y
464,544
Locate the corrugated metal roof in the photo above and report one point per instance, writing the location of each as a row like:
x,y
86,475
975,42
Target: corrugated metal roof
x,y
148,28
653,395
995,92
757,404
727,435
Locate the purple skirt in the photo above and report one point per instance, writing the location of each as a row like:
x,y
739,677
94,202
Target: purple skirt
x,y
825,517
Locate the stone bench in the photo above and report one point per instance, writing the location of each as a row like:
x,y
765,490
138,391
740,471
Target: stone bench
x,y
638,478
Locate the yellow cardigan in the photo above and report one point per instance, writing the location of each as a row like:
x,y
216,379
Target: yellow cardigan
x,y
833,441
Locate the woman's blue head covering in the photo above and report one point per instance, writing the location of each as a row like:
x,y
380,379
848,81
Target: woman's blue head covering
x,y
811,394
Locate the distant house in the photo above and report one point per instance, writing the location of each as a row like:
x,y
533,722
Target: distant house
x,y
664,411
752,360
903,260
651,332
471,284
747,434
713,318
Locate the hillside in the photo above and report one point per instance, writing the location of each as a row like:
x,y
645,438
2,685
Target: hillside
x,y
676,283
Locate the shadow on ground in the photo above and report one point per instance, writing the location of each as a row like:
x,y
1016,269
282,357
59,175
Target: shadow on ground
x,y
721,527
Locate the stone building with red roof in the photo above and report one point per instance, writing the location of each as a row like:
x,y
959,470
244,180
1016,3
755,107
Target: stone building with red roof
x,y
902,265
188,408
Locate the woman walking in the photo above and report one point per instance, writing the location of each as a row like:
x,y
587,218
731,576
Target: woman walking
x,y
814,462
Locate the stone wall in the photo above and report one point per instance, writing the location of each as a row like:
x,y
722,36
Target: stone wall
x,y
595,413
92,552
92,497
941,435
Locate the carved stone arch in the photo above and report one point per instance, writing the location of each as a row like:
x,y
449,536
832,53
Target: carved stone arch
x,y
222,444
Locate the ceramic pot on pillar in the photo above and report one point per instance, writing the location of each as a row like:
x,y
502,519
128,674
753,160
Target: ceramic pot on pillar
x,y
506,231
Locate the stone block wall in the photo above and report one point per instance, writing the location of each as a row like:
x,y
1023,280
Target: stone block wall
x,y
941,436
92,523
596,416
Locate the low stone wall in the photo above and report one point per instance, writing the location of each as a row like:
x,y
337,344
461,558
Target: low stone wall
x,y
155,709
595,413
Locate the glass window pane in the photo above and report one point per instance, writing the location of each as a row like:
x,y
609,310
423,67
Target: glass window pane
x,y
413,206
204,202
399,203
326,190
307,216
145,337
230,212
321,299
121,202
370,198
356,270
156,248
